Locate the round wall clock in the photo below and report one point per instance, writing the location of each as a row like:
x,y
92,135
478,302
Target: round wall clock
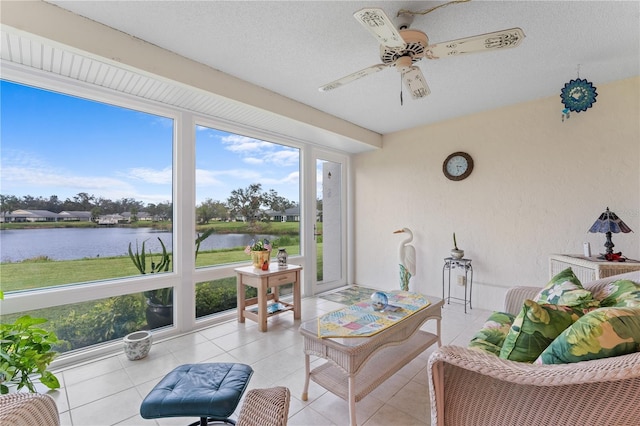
x,y
458,166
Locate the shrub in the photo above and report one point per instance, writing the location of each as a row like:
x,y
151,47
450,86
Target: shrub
x,y
217,296
109,319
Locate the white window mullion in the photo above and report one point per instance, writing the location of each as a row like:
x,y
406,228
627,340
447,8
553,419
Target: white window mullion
x,y
184,221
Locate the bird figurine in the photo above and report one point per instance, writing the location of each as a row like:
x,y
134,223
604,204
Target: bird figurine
x,y
407,259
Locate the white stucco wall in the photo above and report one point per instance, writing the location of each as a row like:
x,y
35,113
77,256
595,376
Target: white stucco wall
x,y
537,186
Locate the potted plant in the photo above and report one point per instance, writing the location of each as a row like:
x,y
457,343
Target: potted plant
x,y
260,252
455,252
25,354
159,312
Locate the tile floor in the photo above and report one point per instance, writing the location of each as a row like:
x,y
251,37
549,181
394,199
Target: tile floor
x,y
109,391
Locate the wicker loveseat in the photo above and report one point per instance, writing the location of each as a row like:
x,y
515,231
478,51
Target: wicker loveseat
x,y
28,409
469,387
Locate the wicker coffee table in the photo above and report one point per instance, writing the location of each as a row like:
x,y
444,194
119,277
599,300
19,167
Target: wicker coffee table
x,y
357,365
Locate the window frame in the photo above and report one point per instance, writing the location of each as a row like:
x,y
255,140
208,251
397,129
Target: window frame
x,y
184,275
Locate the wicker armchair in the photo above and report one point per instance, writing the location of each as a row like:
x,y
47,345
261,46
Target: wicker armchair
x,y
27,409
265,407
468,387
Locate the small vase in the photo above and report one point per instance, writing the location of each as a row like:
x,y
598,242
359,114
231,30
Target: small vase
x,y
259,258
137,345
457,254
282,257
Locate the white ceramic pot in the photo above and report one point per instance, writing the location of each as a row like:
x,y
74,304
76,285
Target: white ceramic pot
x,y
137,345
457,254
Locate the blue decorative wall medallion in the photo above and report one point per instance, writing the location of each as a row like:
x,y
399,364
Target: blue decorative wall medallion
x,y
578,95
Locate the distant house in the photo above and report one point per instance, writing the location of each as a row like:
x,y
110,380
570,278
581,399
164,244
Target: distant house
x,y
139,216
32,216
289,215
110,219
75,216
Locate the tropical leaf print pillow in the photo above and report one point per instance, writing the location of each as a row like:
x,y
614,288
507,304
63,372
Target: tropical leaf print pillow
x,y
492,334
602,333
535,327
621,293
565,289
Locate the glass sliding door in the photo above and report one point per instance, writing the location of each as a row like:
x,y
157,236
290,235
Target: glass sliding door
x,y
330,221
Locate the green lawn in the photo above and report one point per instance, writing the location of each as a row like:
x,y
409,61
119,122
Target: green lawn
x,y
40,273
43,272
84,324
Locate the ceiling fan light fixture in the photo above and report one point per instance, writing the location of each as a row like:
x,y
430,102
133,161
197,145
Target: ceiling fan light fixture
x,y
415,44
403,48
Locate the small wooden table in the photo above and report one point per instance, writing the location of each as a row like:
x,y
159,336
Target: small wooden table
x,y
357,365
263,280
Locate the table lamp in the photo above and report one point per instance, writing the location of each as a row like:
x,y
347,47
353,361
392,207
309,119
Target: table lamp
x,y
607,223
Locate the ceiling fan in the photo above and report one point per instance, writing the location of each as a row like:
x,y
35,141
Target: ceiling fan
x,y
404,47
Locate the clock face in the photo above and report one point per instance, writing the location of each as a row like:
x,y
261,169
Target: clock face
x,y
457,166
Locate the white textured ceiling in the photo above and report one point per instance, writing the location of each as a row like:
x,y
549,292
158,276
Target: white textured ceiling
x,y
293,47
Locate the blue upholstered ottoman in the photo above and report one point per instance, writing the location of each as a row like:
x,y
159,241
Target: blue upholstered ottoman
x,y
209,391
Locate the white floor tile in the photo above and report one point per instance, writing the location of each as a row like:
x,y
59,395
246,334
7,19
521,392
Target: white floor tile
x,y
109,391
109,410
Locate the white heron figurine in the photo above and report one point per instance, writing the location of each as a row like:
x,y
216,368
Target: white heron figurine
x,y
407,259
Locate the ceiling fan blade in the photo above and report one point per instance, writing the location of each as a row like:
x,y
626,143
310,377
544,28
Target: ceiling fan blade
x,y
504,39
415,82
351,77
377,22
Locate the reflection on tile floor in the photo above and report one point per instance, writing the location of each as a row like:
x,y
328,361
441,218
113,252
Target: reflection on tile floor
x,y
109,391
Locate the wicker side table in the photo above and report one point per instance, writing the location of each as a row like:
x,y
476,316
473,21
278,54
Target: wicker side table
x,y
357,365
589,268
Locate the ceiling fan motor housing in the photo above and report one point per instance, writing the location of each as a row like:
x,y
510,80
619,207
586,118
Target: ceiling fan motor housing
x,y
403,21
416,43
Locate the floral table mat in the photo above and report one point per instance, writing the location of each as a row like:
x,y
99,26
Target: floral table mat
x,y
360,320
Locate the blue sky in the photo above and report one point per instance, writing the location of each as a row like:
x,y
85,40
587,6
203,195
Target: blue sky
x,y
53,144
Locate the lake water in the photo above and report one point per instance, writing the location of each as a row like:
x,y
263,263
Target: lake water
x,y
78,243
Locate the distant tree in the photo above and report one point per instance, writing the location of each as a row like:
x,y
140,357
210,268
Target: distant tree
x,y
53,204
165,210
204,213
220,210
95,214
278,203
152,209
134,214
248,202
28,202
8,203
128,205
84,201
210,209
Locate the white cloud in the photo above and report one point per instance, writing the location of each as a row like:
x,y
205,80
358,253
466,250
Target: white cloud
x,y
161,177
244,145
22,174
207,178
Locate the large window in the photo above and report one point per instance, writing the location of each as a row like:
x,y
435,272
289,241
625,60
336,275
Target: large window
x,y
246,189
81,182
119,215
86,198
